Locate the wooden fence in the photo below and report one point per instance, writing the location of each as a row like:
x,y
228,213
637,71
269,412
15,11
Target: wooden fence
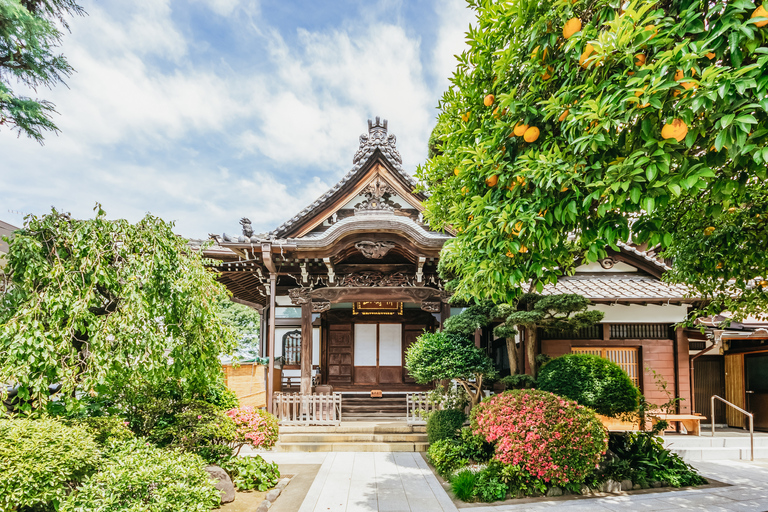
x,y
307,409
417,407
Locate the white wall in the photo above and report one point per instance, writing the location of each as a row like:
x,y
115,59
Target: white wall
x,y
620,266
636,313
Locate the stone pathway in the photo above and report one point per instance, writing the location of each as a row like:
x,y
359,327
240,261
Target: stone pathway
x,y
402,482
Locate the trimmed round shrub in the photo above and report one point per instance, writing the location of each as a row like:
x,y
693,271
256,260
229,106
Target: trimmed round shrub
x,y
137,476
592,381
105,428
549,437
448,455
41,461
256,427
250,473
444,424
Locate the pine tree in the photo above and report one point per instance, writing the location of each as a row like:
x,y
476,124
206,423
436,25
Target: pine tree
x,y
30,32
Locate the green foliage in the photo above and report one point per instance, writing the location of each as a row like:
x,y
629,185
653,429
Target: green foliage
x,y
245,321
41,461
444,424
592,381
519,381
250,473
451,397
447,455
105,429
463,485
553,313
101,301
30,33
441,355
601,165
137,476
201,428
521,482
220,396
489,485
472,318
642,458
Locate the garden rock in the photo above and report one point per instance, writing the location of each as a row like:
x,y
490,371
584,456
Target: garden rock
x,y
264,506
611,486
282,483
636,487
585,490
554,491
222,482
272,495
626,485
656,485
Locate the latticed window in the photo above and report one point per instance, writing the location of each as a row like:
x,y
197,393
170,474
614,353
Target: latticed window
x,y
292,348
627,358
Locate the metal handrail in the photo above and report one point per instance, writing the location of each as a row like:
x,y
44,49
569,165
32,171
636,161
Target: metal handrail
x,y
751,423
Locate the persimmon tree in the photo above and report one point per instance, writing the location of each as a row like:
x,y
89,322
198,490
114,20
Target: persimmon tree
x,y
101,303
571,126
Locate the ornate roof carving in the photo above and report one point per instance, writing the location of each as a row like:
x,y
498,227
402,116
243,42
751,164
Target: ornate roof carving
x,y
374,250
377,138
378,195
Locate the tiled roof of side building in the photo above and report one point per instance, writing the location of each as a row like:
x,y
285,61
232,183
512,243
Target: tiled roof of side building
x,y
377,138
610,286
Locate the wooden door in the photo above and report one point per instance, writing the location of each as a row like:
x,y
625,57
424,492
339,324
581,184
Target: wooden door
x,y
734,389
378,353
708,373
390,353
340,354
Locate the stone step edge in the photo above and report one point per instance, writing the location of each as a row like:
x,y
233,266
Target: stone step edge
x,y
353,429
351,447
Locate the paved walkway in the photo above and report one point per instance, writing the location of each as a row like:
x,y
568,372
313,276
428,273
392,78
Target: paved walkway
x,y
402,482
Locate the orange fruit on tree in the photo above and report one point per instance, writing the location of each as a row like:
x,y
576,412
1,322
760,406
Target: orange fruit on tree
x,y
465,117
709,230
564,189
652,28
531,134
563,116
763,283
711,55
464,191
571,26
640,59
520,129
456,171
488,100
492,181
510,254
677,129
760,12
548,73
523,249
584,56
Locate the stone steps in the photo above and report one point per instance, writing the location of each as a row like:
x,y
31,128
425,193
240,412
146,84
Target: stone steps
x,y
353,437
693,448
361,407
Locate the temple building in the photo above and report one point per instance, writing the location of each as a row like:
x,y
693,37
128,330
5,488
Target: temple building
x,y
349,282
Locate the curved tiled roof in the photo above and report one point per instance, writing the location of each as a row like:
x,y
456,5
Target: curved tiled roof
x,y
610,286
375,140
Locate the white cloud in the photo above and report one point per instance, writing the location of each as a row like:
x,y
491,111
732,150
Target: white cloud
x,y
454,18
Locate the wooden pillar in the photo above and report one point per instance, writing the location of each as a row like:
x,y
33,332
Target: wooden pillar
x,y
478,337
271,340
306,347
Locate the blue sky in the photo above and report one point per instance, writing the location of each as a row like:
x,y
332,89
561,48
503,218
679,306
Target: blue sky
x,y
205,111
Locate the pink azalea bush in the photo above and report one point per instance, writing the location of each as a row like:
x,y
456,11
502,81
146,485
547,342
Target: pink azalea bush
x,y
256,427
551,438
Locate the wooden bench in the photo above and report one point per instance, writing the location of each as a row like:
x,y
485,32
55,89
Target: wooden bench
x,y
691,422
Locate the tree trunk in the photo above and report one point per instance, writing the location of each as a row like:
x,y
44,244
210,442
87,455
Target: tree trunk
x,y
512,356
530,348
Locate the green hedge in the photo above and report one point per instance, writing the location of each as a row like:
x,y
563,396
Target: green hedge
x,y
41,461
444,424
592,381
139,477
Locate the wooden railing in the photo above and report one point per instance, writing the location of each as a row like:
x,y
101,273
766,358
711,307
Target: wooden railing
x,y
307,409
417,407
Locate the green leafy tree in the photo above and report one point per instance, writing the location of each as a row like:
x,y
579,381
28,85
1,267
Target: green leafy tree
x,y
30,32
245,321
571,126
103,302
441,355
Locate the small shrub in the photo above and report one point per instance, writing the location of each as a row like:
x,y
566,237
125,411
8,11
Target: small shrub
x,y
444,424
592,381
549,437
642,458
448,455
139,477
256,427
221,396
105,428
521,481
489,485
463,485
250,473
41,461
201,428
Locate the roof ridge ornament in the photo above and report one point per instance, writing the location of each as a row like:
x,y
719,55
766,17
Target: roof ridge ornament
x,y
377,137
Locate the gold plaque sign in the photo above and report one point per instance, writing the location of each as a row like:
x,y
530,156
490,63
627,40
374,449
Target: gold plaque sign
x,y
377,307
